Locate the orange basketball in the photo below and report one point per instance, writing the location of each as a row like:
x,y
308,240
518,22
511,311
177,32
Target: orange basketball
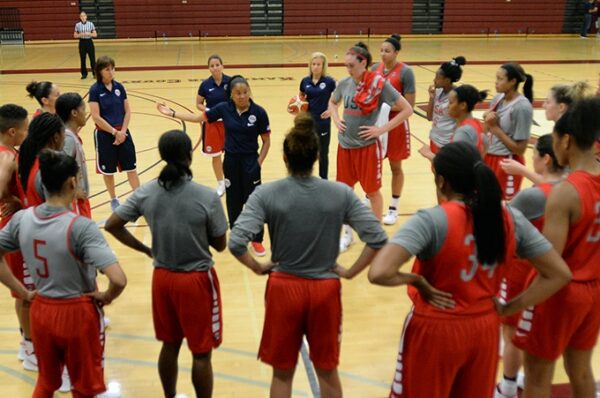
x,y
297,105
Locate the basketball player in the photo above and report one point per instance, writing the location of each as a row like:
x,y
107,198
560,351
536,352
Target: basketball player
x,y
45,93
359,151
531,202
316,88
63,253
244,122
572,225
13,130
402,78
304,215
70,107
186,299
212,92
461,247
509,122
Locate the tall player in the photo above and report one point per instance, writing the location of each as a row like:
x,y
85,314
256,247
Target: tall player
x,y
359,151
186,299
304,215
572,225
13,129
461,247
212,92
531,202
509,121
63,253
402,78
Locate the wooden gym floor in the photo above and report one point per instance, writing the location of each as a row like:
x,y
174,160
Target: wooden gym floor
x,y
171,71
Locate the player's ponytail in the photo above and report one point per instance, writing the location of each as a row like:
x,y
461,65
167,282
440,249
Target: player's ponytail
x,y
515,71
42,130
39,90
463,169
175,148
301,145
469,95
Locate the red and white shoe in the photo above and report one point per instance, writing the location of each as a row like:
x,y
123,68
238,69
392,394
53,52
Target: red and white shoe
x,y
259,249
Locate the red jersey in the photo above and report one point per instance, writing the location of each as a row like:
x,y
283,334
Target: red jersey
x,y
393,76
455,268
478,126
12,185
582,250
32,197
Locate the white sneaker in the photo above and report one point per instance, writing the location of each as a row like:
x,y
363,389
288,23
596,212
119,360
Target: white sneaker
x,y
180,396
106,322
30,361
498,394
66,381
345,241
22,352
521,381
391,217
114,391
221,189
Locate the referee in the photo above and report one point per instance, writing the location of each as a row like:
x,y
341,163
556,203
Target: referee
x,y
85,31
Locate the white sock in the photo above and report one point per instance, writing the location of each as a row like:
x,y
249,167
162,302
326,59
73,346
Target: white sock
x,y
394,202
221,183
508,387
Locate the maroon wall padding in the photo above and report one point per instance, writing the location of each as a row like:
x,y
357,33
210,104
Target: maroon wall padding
x,y
47,19
502,16
316,17
147,18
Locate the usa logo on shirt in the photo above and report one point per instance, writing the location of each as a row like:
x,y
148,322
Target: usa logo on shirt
x,y
322,86
252,119
118,92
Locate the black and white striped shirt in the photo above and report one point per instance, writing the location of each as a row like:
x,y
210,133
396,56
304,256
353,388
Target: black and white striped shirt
x,y
87,27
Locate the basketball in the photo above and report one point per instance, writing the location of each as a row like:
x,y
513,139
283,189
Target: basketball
x,y
297,105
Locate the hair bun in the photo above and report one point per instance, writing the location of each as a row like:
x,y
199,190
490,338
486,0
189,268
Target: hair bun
x,y
362,45
460,60
32,88
396,36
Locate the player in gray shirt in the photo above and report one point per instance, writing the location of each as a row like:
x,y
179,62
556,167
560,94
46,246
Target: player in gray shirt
x,y
185,218
63,253
304,215
359,153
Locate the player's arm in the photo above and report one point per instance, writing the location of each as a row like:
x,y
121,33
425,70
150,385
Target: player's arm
x,y
116,284
200,103
99,120
264,149
429,107
186,117
404,110
116,227
8,279
558,214
76,34
219,243
334,113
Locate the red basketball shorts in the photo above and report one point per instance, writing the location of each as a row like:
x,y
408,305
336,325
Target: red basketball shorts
x,y
398,142
509,184
213,138
295,307
362,165
68,332
187,304
437,357
518,277
569,319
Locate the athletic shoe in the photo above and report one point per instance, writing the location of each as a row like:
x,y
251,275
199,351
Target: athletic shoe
x,y
391,217
106,322
221,190
498,394
583,37
521,381
83,77
66,381
180,396
345,242
30,362
113,391
22,352
259,249
114,203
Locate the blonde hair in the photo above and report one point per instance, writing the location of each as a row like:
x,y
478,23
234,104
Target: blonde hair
x,y
569,93
323,57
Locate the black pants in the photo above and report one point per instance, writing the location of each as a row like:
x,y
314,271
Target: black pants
x,y
323,127
86,47
243,173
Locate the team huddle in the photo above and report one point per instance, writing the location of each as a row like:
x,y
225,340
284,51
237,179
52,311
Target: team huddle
x,y
491,261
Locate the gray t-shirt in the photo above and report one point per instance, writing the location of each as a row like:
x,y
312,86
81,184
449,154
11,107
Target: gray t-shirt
x,y
181,221
353,116
62,250
466,133
424,234
442,125
515,119
407,77
74,149
531,202
304,216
